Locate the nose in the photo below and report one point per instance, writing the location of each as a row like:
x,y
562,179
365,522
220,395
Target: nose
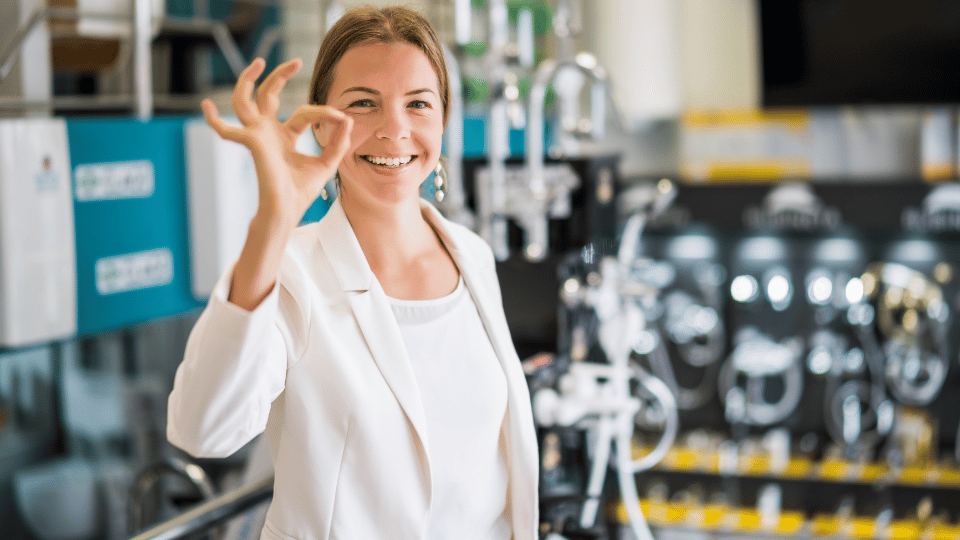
x,y
394,124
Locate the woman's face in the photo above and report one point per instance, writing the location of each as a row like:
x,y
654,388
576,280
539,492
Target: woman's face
x,y
393,95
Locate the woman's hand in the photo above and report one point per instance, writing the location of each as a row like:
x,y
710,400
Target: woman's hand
x,y
289,182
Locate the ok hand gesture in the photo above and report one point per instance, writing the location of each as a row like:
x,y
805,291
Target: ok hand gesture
x,y
288,181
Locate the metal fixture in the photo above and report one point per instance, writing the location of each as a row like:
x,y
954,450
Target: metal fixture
x,y
142,98
211,513
454,204
151,475
611,398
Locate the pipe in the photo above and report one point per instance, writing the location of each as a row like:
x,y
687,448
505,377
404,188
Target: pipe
x,y
267,42
455,200
221,35
148,478
492,197
8,55
546,73
211,513
142,68
462,11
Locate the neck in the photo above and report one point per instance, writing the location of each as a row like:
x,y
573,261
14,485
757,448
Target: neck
x,y
389,234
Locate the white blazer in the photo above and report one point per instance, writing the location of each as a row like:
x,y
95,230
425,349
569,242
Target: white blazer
x,y
321,369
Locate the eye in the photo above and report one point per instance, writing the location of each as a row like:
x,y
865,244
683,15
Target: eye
x,y
362,103
419,104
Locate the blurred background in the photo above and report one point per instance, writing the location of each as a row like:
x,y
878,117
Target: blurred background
x,y
726,233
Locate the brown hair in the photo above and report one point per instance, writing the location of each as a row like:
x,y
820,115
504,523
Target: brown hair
x,y
361,26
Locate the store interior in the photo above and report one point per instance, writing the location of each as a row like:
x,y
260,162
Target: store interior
x,y
727,235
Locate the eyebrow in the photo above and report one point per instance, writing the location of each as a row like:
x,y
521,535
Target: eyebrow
x,y
376,93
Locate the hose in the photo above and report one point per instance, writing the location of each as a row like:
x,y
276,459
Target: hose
x,y
756,410
661,393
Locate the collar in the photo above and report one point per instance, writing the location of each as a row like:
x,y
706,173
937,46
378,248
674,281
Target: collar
x,y
350,265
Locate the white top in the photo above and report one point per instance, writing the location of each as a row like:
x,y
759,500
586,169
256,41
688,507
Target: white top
x,y
464,394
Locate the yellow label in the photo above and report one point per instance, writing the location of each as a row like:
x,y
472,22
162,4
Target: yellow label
x,y
834,469
825,525
748,519
695,517
657,512
790,523
913,475
714,515
757,465
861,528
711,462
798,468
684,459
903,530
937,172
759,171
950,477
946,532
873,472
793,118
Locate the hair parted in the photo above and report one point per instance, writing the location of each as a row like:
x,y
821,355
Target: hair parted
x,y
366,25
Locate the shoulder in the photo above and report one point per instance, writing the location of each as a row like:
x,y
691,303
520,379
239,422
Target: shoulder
x,y
303,267
304,259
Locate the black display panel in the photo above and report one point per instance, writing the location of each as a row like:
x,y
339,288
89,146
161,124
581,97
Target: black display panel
x,y
833,52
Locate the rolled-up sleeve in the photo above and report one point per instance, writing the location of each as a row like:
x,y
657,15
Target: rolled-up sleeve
x,y
234,367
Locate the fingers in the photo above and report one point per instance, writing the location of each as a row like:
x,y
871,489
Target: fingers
x,y
242,93
335,138
307,115
339,141
268,94
225,130
336,146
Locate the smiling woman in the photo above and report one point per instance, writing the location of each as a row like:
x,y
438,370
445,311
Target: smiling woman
x,y
370,348
393,96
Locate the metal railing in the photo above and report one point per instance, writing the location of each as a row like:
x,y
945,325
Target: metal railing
x,y
214,512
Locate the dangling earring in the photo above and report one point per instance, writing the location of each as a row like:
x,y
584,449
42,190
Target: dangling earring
x,y
324,192
438,181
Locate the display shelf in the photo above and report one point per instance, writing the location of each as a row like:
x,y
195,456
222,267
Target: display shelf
x,y
722,520
943,475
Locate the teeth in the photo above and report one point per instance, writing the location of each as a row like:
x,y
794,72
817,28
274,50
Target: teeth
x,y
388,162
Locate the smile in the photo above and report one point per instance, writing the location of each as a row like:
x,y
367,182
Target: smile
x,y
388,161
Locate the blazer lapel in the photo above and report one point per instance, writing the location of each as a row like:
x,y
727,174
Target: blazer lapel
x,y
522,439
373,313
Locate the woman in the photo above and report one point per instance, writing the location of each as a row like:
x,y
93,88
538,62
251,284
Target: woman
x,y
371,347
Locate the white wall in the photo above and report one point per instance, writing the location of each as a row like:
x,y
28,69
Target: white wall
x,y
663,56
719,53
638,42
666,56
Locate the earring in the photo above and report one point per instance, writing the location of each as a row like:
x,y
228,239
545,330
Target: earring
x,y
323,191
438,181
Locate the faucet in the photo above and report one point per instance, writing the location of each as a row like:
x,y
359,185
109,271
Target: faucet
x,y
535,224
502,194
491,195
454,203
148,477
